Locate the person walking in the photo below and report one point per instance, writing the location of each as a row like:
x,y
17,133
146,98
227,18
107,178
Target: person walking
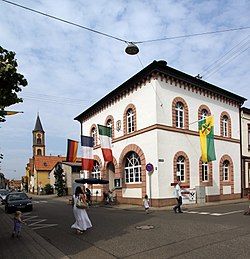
x,y
178,197
82,222
17,224
146,203
88,195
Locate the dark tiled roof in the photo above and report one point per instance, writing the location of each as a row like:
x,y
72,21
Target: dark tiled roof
x,y
38,126
162,68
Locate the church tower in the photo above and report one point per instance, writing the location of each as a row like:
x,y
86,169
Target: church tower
x,y
38,139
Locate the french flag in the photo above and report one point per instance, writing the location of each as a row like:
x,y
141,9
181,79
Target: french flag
x,y
87,148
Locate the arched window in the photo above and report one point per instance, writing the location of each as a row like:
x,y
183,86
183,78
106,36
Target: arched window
x,y
225,170
225,126
181,168
132,168
204,114
179,114
39,141
94,135
204,172
130,121
39,152
109,123
96,173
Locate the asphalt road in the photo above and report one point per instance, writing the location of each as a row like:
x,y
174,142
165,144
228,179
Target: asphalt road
x,y
207,232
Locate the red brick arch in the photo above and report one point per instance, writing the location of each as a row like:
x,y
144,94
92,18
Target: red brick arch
x,y
129,106
229,124
139,152
186,116
203,107
110,117
187,167
231,174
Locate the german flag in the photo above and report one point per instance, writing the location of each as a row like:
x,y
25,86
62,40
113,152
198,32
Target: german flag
x,y
72,150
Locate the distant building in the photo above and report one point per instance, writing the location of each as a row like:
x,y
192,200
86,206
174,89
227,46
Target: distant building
x,y
153,116
245,143
40,165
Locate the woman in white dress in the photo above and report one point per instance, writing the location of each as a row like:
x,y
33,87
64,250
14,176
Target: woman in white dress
x,y
82,220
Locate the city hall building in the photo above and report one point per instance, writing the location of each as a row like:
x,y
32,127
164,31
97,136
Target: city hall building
x,y
154,118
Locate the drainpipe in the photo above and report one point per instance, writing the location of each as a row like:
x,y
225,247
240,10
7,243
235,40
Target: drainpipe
x,y
241,162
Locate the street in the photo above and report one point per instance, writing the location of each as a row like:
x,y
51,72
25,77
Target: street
x,y
219,231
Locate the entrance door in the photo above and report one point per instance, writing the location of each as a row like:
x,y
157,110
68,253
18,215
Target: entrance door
x,y
111,175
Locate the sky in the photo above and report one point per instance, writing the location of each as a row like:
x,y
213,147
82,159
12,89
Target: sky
x,y
69,68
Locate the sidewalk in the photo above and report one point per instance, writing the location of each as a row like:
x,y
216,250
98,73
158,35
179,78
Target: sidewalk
x,y
29,245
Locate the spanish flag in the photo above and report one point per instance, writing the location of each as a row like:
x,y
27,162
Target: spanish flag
x,y
72,150
206,130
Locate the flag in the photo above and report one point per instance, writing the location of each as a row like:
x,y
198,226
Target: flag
x,y
5,113
105,134
72,150
87,153
206,131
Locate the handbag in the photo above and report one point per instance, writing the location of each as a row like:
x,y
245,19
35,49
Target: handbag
x,y
80,204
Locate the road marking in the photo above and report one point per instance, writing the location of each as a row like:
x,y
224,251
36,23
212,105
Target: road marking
x,y
232,212
37,222
213,214
44,226
30,218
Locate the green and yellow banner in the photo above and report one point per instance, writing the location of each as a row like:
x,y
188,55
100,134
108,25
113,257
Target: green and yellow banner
x,y
206,131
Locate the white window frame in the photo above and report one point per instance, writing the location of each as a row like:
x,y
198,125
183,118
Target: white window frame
x,y
179,115
204,172
132,169
96,173
204,114
225,126
180,165
225,171
130,120
94,135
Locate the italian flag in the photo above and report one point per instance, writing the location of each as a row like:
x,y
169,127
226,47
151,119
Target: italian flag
x,y
105,134
206,131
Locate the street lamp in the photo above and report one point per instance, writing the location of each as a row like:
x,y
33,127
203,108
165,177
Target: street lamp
x,y
131,49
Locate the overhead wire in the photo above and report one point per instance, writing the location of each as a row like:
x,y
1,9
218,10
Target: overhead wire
x,y
120,39
233,53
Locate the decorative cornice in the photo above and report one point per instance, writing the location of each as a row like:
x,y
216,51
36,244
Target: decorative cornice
x,y
158,70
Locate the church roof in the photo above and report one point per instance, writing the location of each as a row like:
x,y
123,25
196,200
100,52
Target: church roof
x,y
38,126
46,163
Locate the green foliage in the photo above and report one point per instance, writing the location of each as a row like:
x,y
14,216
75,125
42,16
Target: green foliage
x,y
59,181
10,80
48,189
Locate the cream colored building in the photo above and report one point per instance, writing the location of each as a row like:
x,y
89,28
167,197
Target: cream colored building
x,y
245,136
154,116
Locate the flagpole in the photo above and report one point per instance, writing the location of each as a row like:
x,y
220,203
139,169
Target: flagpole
x,y
199,120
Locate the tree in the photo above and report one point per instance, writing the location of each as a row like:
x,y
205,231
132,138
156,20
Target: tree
x,y
59,181
10,80
48,188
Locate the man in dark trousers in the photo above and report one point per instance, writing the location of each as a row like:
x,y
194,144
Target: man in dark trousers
x,y
178,197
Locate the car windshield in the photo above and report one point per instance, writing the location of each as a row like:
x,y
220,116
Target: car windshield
x,y
3,192
18,196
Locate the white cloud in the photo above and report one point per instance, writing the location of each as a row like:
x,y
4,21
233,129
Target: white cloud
x,y
61,60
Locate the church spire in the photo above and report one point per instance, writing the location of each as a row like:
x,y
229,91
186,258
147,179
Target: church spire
x,y
38,126
38,138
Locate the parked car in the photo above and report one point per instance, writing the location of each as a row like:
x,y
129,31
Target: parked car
x,y
17,201
3,194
